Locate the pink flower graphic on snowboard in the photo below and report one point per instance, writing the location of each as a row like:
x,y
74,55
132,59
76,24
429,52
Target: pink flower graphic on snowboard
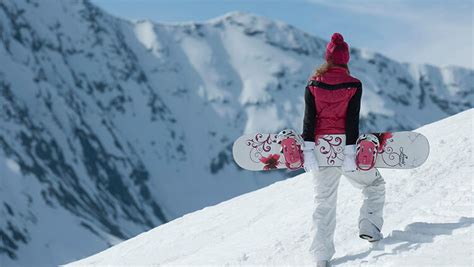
x,y
271,162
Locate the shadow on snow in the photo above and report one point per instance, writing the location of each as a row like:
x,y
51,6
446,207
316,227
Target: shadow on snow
x,y
411,238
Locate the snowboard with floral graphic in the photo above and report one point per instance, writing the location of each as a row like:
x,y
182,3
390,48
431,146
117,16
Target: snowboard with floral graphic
x,y
397,150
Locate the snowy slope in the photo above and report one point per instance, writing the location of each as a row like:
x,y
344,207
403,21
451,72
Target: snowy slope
x,y
109,128
429,218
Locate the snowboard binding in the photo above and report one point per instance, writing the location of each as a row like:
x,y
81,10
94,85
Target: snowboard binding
x,y
367,147
291,144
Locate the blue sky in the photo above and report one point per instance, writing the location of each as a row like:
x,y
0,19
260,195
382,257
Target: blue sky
x,y
421,31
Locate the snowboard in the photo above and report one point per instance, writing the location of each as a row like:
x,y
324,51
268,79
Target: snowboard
x,y
398,150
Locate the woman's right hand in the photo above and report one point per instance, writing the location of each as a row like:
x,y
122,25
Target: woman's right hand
x,y
310,163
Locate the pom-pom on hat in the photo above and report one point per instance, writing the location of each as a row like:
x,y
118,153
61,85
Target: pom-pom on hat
x,y
337,50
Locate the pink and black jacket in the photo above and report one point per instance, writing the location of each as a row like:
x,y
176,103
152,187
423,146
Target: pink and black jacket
x,y
332,105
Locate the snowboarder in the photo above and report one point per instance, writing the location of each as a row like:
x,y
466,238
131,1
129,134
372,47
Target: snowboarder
x,y
332,105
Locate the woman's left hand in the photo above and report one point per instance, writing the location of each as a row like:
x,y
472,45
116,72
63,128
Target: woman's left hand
x,y
349,163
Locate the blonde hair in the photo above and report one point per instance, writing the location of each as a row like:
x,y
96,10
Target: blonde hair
x,y
323,68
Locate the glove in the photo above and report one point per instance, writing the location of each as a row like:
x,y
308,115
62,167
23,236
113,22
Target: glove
x,y
349,163
310,163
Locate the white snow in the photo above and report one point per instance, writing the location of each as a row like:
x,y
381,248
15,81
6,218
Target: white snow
x,y
146,34
428,219
13,166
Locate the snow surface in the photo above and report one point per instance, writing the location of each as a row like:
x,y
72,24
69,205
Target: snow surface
x,y
428,219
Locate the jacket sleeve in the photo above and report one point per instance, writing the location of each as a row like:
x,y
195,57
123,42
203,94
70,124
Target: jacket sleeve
x,y
309,121
352,118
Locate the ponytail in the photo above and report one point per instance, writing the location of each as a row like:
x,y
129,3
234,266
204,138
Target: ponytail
x,y
323,68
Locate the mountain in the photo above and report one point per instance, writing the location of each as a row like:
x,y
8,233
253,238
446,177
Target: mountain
x,y
428,212
110,127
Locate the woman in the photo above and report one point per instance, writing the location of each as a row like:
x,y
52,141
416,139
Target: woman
x,y
332,104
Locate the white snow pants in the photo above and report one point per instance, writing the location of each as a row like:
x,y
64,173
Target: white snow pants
x,y
326,182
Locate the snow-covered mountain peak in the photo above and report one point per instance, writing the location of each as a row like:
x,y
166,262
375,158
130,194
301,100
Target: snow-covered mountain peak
x,y
243,18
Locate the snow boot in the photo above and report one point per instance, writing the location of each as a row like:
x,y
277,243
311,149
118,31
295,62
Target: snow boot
x,y
323,264
369,231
